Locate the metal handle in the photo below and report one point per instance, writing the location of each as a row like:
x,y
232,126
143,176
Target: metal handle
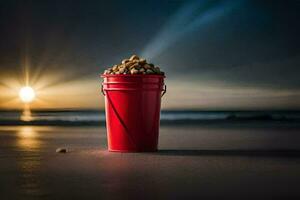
x,y
164,91
102,91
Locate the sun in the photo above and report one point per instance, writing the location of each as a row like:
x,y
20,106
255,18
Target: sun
x,y
27,94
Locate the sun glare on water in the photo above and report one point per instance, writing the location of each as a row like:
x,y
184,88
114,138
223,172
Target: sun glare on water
x,y
27,94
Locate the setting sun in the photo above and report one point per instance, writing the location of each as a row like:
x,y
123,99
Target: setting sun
x,y
27,94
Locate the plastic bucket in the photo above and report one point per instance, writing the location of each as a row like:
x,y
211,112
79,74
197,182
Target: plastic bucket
x,y
132,108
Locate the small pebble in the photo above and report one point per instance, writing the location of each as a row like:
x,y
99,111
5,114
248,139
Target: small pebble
x,y
61,150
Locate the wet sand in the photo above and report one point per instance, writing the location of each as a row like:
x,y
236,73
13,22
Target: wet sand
x,y
193,161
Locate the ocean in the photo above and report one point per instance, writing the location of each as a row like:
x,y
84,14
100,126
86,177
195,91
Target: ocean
x,y
174,117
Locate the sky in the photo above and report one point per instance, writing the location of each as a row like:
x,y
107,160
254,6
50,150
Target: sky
x,y
221,54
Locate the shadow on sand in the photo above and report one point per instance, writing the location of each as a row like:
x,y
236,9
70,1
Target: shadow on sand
x,y
233,152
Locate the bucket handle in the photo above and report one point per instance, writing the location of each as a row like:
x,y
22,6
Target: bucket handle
x,y
102,91
163,91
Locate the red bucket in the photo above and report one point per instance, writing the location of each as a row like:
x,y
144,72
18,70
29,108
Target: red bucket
x,y
132,107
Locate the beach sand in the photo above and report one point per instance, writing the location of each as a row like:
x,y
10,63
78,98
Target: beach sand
x,y
193,162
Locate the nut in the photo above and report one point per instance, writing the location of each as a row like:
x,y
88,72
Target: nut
x,y
142,61
134,65
149,71
134,71
125,61
115,67
156,70
122,70
146,66
134,57
128,64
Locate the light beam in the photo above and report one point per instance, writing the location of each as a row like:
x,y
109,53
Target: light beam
x,y
188,18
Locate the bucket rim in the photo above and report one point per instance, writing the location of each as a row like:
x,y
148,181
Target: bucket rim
x,y
131,75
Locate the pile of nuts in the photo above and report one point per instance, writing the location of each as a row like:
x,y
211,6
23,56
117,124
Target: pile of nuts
x,y
134,65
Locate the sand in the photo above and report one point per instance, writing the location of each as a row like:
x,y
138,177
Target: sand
x,y
193,162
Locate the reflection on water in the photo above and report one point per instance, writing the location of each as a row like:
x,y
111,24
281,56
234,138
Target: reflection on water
x,y
29,160
27,138
26,115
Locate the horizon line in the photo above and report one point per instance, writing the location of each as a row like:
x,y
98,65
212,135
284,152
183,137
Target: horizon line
x,y
168,109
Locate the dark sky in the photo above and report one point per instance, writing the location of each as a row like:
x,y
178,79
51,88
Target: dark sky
x,y
222,44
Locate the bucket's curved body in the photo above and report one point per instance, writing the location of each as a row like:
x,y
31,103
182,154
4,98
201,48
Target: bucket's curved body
x,y
132,107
